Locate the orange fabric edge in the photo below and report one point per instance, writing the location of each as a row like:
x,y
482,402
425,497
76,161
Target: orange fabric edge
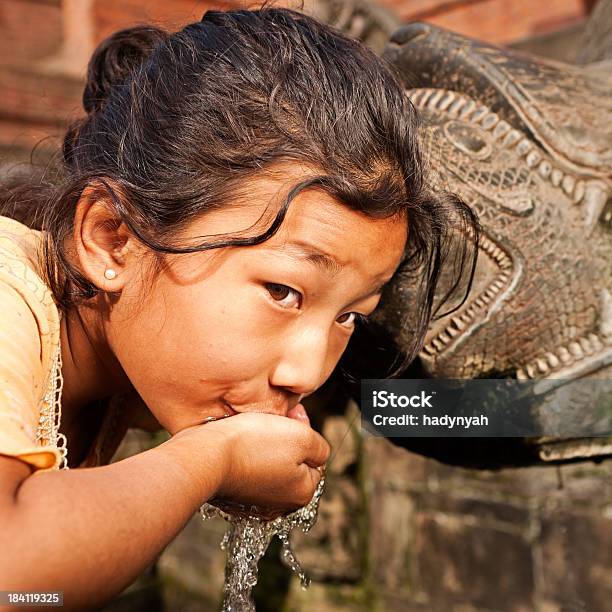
x,y
42,458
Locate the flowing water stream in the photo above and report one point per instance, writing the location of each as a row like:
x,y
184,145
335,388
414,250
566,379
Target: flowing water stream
x,y
247,540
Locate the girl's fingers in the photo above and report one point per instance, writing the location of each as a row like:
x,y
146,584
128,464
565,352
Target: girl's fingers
x,y
318,450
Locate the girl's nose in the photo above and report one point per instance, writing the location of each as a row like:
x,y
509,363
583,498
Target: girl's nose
x,y
302,363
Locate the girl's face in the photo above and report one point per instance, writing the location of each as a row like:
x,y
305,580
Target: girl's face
x,y
253,328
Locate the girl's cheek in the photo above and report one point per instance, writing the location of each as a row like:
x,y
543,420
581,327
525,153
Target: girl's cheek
x,y
230,326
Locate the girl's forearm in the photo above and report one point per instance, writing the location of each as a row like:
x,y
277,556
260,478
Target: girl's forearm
x,y
90,532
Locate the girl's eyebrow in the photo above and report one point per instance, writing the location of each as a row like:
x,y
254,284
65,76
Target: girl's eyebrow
x,y
304,251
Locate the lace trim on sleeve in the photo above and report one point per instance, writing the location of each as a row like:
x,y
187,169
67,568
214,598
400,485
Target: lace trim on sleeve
x,y
51,412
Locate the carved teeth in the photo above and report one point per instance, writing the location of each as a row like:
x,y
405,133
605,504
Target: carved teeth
x,y
456,106
524,147
579,192
605,313
595,196
468,109
444,337
556,177
479,113
595,342
458,323
568,183
533,158
586,346
495,253
552,360
498,285
501,129
544,169
433,100
437,344
452,331
575,350
465,317
446,100
429,349
416,96
489,121
511,138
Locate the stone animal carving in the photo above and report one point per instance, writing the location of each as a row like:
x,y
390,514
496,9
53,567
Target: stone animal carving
x,y
362,19
527,143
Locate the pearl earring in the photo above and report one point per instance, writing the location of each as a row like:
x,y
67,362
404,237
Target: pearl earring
x,y
109,273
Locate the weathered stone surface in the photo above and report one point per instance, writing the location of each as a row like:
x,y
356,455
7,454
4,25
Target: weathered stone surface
x,y
333,548
462,562
486,512
387,479
194,561
327,598
576,568
343,435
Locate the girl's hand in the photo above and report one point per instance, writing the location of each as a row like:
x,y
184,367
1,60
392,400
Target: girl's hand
x,y
268,460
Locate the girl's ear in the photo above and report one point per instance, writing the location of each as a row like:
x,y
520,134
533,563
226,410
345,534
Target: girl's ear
x,y
103,245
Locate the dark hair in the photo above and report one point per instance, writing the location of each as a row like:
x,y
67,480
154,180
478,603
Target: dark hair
x,y
177,122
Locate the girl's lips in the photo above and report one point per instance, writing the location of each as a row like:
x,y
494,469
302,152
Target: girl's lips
x,y
230,410
299,414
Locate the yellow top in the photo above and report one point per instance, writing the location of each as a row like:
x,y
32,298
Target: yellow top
x,y
31,366
30,358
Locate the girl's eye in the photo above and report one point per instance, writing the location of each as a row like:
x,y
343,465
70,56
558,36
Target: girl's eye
x,y
356,318
280,293
287,297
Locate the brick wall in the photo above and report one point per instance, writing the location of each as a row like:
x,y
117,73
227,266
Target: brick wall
x,y
497,21
41,37
45,46
111,16
44,49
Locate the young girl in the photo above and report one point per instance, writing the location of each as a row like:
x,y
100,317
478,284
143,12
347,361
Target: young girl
x,y
225,217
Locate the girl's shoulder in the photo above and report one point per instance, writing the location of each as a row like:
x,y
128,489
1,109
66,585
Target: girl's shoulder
x,y
19,250
20,271
29,344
